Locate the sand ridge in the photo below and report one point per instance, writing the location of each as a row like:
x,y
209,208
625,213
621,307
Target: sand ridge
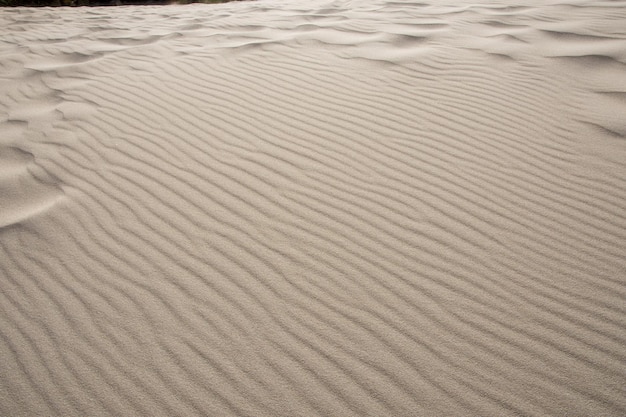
x,y
299,208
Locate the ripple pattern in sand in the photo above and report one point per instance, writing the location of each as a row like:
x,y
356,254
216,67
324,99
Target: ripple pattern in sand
x,y
295,208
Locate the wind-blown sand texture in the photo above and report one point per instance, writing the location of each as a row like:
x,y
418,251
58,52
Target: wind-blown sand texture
x,y
314,208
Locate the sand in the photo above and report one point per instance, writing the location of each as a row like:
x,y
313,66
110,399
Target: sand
x,y
314,208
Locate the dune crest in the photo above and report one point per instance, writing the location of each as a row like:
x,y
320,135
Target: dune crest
x,y
21,195
302,208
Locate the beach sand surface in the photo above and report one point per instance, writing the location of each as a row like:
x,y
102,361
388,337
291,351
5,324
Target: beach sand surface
x,y
314,208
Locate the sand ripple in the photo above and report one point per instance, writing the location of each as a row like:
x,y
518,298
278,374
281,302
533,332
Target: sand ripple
x,y
299,208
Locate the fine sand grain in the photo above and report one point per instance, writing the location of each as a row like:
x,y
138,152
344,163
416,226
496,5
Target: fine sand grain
x,y
314,208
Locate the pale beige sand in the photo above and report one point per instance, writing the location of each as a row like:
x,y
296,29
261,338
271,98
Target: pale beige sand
x,y
307,208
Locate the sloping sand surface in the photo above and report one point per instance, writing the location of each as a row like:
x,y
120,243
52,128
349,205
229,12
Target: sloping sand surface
x,y
314,208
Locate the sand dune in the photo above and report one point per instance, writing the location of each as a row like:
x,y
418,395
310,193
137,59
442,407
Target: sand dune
x,y
300,208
